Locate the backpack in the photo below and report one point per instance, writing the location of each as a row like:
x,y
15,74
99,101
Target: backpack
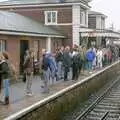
x,y
26,63
76,59
45,63
12,70
9,69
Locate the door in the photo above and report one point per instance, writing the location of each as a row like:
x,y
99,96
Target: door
x,y
24,45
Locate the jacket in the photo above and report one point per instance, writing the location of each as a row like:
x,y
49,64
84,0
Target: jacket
x,y
59,57
45,63
5,70
28,65
90,55
67,60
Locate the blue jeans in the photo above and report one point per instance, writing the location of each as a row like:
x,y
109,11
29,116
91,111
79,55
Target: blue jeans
x,y
6,87
89,66
29,83
46,78
60,70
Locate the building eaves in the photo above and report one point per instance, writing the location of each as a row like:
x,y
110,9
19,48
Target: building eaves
x,y
94,13
100,33
21,33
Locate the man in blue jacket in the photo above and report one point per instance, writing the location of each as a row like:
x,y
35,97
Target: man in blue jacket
x,y
90,56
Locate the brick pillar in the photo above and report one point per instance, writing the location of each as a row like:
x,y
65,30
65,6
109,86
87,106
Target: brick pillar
x,y
76,24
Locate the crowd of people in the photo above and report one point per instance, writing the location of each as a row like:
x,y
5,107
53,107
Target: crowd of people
x,y
56,66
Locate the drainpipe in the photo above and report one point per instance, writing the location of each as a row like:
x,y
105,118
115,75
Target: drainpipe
x,y
49,44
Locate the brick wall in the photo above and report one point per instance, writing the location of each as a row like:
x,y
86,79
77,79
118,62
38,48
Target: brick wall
x,y
64,17
56,43
13,46
37,13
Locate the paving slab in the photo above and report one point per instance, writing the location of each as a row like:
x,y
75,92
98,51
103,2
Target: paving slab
x,y
19,101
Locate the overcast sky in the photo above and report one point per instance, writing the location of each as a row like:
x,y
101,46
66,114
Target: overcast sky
x,y
3,0
111,8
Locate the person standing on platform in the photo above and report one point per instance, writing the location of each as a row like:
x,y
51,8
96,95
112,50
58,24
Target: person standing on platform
x,y
75,64
28,70
45,67
99,58
8,72
90,56
52,65
94,64
67,62
59,60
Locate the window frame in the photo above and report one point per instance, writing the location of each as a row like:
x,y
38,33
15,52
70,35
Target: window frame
x,y
83,19
51,17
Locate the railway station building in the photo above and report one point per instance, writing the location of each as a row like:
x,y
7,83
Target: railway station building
x,y
38,24
96,34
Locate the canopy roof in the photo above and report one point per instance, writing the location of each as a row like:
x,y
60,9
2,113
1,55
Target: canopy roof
x,y
94,13
14,22
100,33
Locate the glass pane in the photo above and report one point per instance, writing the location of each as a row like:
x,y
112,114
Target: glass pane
x,y
54,20
82,18
54,17
49,14
53,14
49,20
49,17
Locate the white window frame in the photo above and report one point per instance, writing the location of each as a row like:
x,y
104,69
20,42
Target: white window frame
x,y
83,19
46,18
2,45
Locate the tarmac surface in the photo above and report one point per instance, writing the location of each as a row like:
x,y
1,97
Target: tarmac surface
x,y
19,100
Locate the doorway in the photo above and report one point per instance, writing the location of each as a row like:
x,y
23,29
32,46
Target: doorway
x,y
24,45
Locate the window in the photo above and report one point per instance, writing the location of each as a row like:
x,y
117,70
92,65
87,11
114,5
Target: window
x,y
50,17
83,18
2,45
102,23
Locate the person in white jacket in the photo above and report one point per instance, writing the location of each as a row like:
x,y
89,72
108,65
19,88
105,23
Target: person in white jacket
x,y
99,58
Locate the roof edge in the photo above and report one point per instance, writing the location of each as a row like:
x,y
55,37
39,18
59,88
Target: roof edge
x,y
95,13
23,33
43,5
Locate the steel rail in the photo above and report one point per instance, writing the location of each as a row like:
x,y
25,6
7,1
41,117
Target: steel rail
x,y
104,116
90,108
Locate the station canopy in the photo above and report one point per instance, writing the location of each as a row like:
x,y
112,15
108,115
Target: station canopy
x,y
100,33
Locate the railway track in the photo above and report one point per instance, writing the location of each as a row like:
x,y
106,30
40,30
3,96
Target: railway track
x,y
106,107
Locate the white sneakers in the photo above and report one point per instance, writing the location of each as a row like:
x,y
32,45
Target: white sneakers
x,y
29,94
